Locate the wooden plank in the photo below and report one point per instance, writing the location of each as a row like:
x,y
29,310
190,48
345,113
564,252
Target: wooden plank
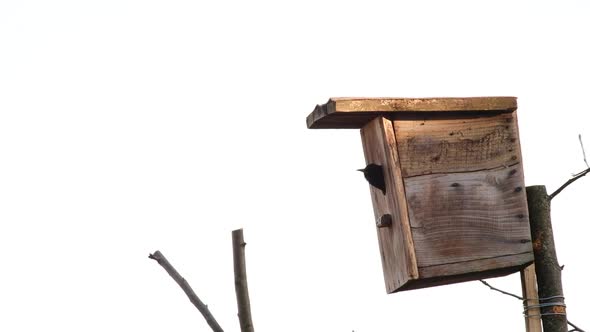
x,y
477,269
532,317
463,217
356,112
437,145
395,242
436,280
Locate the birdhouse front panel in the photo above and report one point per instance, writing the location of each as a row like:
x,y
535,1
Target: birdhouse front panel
x,y
395,239
454,207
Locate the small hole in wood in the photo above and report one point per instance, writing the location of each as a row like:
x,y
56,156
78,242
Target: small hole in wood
x,y
518,189
455,184
520,215
512,172
514,157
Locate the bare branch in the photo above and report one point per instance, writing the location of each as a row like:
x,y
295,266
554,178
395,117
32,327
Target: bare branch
x,y
159,257
575,328
583,151
501,291
570,181
575,176
241,281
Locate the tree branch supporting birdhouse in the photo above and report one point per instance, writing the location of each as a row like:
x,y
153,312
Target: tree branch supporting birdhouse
x,y
548,270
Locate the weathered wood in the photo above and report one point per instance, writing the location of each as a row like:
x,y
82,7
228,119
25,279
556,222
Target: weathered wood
x,y
395,242
483,268
385,220
434,145
356,112
437,276
546,265
241,281
454,185
530,299
455,218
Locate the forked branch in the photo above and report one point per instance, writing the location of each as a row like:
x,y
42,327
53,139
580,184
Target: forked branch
x,y
570,181
576,176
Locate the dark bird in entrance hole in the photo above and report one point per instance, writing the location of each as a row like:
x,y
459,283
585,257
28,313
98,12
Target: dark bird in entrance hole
x,y
374,175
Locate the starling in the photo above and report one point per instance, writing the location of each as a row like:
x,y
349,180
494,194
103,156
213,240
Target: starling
x,y
374,175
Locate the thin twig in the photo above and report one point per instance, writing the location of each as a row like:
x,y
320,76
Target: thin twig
x,y
575,176
570,181
159,257
575,328
241,281
583,151
501,291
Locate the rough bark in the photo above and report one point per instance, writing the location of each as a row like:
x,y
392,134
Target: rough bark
x,y
202,307
546,265
241,281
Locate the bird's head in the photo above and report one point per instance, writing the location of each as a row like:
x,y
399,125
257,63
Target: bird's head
x,y
370,168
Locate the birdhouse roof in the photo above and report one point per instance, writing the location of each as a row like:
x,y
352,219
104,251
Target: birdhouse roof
x,y
356,112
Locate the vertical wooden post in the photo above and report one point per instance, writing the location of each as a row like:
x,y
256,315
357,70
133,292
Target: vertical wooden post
x,y
530,299
551,300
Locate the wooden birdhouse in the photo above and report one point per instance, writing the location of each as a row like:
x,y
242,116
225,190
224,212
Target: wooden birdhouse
x,y
454,207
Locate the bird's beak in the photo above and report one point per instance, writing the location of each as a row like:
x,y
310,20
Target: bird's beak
x,y
361,170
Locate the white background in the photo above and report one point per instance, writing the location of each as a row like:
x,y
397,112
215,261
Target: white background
x,y
132,126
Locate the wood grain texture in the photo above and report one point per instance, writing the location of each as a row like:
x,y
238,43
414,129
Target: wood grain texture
x,y
484,268
438,145
435,280
528,280
466,217
395,242
356,112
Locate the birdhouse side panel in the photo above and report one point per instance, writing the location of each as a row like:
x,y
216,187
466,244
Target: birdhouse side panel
x,y
395,242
